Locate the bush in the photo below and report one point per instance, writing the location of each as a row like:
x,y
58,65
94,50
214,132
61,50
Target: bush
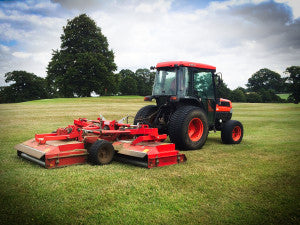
x,y
254,97
237,95
291,99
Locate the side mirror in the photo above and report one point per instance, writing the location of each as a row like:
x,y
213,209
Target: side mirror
x,y
219,78
152,68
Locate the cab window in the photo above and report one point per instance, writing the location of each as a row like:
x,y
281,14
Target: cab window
x,y
203,84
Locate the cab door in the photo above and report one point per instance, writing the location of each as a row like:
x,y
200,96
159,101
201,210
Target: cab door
x,y
204,90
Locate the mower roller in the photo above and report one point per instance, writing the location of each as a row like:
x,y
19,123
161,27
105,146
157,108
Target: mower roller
x,y
99,142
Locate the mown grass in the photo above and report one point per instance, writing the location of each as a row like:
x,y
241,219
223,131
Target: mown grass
x,y
256,182
284,96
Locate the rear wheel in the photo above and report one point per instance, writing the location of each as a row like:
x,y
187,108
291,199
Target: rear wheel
x,y
143,115
188,127
101,152
232,132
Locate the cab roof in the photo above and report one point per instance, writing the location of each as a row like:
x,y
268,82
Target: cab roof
x,y
185,63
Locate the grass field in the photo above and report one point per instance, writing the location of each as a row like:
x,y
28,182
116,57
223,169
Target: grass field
x,y
284,96
256,182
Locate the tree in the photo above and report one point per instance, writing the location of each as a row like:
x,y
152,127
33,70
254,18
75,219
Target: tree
x,y
25,86
145,80
84,63
253,97
128,83
238,95
294,82
242,89
269,96
223,91
265,79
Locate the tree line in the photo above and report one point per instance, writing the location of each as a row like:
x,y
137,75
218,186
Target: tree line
x,y
84,66
264,85
28,86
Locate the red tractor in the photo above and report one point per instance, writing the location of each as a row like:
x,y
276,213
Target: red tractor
x,y
186,105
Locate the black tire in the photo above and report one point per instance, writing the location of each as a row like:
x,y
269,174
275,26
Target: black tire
x,y
232,132
101,152
87,145
143,114
179,128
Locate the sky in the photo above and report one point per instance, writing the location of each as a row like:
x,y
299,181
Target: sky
x,y
239,37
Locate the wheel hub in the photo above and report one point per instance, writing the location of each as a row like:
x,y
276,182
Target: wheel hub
x,y
236,133
195,129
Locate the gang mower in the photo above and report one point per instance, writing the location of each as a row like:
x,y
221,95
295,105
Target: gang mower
x,y
99,142
186,109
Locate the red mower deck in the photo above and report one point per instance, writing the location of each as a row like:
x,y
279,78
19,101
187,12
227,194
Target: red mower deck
x,y
79,143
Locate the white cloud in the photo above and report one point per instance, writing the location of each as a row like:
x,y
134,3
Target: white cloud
x,y
295,4
153,6
22,55
4,49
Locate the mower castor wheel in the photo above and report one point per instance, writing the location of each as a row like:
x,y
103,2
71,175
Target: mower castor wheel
x,y
101,152
232,132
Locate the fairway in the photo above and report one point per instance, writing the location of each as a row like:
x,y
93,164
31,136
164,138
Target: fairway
x,y
255,182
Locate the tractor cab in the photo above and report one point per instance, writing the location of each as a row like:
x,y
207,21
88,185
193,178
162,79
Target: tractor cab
x,y
188,82
184,79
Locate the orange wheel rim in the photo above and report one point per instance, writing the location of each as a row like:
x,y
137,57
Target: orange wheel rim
x,y
195,129
236,133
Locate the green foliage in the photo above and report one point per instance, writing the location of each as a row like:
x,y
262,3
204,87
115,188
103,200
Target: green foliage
x,y
84,63
294,82
223,91
145,80
238,95
269,96
265,79
128,83
241,89
25,86
254,97
138,83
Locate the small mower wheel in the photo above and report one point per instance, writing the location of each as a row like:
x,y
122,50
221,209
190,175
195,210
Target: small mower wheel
x,y
101,152
188,128
232,132
143,113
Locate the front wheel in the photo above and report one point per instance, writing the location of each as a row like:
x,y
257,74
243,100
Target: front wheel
x,y
232,132
188,128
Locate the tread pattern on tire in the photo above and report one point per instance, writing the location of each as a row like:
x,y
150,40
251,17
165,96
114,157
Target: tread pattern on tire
x,y
144,112
226,132
93,151
178,129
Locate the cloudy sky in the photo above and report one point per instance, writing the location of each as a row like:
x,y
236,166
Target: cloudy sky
x,y
239,37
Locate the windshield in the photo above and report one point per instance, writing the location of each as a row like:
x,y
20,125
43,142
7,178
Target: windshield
x,y
165,82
